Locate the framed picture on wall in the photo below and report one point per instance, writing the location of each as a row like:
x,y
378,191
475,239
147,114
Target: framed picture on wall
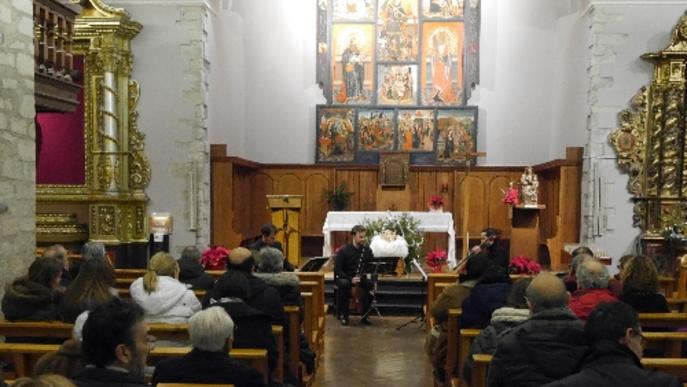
x,y
335,134
456,135
375,130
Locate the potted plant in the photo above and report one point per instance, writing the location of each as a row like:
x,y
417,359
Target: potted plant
x,y
215,258
436,260
338,198
436,203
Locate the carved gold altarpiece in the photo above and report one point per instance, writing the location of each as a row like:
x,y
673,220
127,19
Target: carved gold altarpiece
x,y
651,142
116,168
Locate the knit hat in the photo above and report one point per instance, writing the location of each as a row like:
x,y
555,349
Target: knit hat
x,y
239,255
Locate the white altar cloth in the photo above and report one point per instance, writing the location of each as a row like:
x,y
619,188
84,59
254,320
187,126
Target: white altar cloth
x,y
429,222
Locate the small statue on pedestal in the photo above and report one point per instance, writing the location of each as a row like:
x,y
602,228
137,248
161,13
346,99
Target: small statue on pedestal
x,y
529,187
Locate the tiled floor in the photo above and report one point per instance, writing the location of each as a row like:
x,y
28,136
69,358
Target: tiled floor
x,y
377,355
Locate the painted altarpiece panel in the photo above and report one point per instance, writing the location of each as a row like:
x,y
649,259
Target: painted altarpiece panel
x,y
376,130
352,63
353,10
456,135
442,8
335,135
442,63
416,130
397,25
397,85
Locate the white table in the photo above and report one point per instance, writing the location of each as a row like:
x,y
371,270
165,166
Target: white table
x,y
429,222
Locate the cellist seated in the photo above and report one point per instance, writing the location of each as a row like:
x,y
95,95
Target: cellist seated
x,y
350,276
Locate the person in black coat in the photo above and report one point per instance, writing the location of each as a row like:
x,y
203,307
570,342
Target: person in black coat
x,y
613,359
191,272
489,247
35,297
349,268
268,239
253,327
545,347
212,333
640,284
490,293
260,295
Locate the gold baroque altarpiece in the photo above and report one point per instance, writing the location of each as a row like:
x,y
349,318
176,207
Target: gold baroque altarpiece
x,y
651,141
116,168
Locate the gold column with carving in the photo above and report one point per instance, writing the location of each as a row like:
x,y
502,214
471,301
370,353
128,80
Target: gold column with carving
x,y
117,169
651,142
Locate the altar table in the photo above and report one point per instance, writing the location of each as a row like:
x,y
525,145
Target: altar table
x,y
428,222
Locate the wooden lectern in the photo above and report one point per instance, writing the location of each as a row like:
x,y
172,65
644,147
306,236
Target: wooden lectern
x,y
524,233
286,213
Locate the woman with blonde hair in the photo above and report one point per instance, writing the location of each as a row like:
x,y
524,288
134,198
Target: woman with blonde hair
x,y
44,381
161,295
640,284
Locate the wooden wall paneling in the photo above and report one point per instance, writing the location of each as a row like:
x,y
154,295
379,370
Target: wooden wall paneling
x,y
476,209
351,177
498,211
290,183
315,207
262,184
367,194
445,178
221,202
427,186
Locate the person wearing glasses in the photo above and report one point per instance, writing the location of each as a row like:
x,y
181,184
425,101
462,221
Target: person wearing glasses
x,y
616,348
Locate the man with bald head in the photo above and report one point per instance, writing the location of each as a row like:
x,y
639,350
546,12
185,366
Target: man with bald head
x,y
544,348
592,288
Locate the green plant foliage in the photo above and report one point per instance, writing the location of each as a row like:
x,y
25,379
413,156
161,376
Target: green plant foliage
x,y
338,198
405,226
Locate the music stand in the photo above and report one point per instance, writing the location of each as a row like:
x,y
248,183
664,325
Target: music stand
x,y
377,266
314,264
420,317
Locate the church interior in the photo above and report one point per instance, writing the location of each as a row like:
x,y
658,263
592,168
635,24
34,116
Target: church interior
x,y
153,125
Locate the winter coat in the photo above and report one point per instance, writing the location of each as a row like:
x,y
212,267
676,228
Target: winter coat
x,y
484,299
25,300
105,377
609,364
501,320
206,367
451,297
645,302
261,296
544,348
253,328
584,301
191,272
171,302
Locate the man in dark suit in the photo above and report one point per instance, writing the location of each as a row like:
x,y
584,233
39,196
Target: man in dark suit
x,y
349,271
211,332
268,239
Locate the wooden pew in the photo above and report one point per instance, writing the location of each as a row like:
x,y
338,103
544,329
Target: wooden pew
x,y
667,321
674,366
678,305
451,345
320,305
25,355
192,385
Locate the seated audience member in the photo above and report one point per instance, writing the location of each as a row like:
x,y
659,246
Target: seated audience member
x,y
592,285
261,296
514,313
640,284
546,346
115,346
88,251
253,326
268,239
212,333
450,298
66,361
93,286
163,298
490,293
60,253
269,267
35,297
579,255
191,272
616,283
43,381
613,359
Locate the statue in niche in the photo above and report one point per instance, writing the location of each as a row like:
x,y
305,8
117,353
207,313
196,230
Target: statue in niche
x,y
529,187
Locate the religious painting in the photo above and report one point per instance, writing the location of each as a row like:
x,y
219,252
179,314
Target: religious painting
x,y
375,129
442,63
416,130
442,9
397,85
397,25
456,135
335,135
352,63
353,10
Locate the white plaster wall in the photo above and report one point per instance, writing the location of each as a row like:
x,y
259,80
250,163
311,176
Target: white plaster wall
x,y
624,31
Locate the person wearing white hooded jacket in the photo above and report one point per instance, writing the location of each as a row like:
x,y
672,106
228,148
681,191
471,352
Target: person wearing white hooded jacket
x,y
159,292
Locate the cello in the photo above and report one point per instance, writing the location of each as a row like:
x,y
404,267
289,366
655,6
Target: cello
x,y
356,303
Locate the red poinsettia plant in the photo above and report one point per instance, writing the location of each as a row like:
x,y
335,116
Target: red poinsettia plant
x,y
523,265
436,259
436,202
215,258
511,196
